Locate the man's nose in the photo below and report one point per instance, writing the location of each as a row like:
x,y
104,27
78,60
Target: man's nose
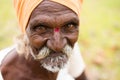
x,y
57,42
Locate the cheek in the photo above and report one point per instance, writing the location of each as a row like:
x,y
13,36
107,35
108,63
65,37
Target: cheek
x,y
73,38
37,41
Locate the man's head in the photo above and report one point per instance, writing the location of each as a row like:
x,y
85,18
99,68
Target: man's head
x,y
51,33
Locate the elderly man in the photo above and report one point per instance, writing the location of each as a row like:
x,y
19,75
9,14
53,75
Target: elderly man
x,y
46,50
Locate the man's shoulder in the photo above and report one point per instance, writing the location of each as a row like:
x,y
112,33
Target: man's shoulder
x,y
8,62
8,56
5,52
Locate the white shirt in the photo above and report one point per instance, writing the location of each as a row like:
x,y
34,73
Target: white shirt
x,y
75,67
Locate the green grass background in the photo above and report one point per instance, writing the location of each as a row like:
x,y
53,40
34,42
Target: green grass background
x,y
99,35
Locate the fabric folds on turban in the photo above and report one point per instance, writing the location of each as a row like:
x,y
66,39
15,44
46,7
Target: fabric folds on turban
x,y
24,9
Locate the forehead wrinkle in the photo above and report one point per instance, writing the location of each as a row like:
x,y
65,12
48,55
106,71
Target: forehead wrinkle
x,y
53,20
56,15
51,6
44,19
50,12
65,18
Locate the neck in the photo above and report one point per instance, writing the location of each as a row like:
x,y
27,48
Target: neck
x,y
39,71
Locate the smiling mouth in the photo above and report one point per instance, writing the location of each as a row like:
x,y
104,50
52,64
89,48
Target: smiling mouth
x,y
54,61
55,54
52,55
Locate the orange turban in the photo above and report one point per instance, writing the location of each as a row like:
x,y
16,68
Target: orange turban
x,y
24,9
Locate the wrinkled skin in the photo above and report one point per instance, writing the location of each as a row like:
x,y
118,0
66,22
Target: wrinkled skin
x,y
51,25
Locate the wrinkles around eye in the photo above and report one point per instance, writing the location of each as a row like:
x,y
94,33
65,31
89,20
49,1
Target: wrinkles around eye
x,y
39,28
70,28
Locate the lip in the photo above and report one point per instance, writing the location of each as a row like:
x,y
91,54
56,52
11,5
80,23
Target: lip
x,y
61,58
55,54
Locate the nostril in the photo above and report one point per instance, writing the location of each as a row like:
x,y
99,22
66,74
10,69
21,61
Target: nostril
x,y
56,45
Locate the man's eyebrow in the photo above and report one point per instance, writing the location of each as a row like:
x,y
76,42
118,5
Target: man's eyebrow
x,y
35,21
71,20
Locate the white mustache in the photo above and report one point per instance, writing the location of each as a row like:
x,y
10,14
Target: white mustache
x,y
67,50
45,51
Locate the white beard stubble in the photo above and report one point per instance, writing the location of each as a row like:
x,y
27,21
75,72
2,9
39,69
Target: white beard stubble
x,y
53,64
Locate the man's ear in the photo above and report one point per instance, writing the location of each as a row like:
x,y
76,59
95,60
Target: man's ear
x,y
76,64
22,44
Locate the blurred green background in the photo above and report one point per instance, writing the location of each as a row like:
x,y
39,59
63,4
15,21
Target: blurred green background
x,y
99,35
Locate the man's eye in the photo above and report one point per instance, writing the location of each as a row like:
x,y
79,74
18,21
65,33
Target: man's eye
x,y
71,27
40,28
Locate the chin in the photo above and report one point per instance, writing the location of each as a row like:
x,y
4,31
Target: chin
x,y
54,62
51,60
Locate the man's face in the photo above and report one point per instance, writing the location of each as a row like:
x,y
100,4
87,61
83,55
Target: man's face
x,y
52,32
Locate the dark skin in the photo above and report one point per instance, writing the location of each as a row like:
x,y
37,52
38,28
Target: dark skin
x,y
50,26
43,22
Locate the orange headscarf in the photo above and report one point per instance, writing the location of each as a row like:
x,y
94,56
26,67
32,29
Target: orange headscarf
x,y
24,9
